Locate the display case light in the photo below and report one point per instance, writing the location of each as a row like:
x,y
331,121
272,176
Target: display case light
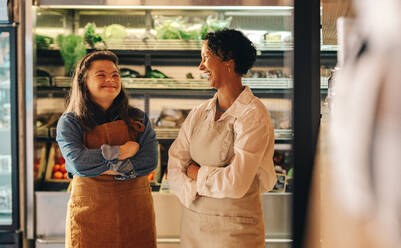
x,y
164,7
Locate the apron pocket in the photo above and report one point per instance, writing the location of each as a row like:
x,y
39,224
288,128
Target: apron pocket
x,y
209,230
224,218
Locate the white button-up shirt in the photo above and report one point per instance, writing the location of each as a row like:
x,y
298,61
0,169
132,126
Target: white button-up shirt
x,y
253,152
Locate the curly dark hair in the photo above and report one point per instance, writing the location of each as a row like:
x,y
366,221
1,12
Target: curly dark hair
x,y
232,44
80,103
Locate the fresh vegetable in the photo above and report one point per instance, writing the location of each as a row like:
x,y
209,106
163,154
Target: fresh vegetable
x,y
181,28
43,41
291,173
72,49
150,73
168,29
189,76
90,35
128,73
114,31
213,24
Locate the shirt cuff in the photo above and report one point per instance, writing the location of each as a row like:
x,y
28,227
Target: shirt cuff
x,y
124,167
188,199
203,173
110,152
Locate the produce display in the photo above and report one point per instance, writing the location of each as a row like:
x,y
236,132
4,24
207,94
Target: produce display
x,y
282,161
114,32
151,73
59,171
55,171
179,28
43,41
267,73
91,37
282,166
39,163
72,49
128,73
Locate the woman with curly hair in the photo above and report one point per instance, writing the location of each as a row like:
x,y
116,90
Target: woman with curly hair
x,y
109,148
222,159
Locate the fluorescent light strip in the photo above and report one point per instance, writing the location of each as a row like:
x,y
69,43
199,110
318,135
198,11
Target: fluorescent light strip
x,y
166,7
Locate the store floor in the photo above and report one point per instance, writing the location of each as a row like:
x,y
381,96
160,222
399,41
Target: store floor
x,y
51,212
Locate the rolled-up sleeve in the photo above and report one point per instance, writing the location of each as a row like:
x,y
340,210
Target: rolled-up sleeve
x,y
145,160
253,156
79,160
179,157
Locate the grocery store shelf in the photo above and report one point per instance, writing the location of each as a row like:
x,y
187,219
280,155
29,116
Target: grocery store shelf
x,y
324,83
62,92
261,87
283,134
329,47
282,147
171,133
194,84
61,82
179,45
183,54
5,211
188,45
278,193
175,88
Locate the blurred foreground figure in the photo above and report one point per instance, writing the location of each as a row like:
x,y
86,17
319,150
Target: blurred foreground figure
x,y
362,196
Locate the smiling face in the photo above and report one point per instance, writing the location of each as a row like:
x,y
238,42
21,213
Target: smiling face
x,y
103,82
213,66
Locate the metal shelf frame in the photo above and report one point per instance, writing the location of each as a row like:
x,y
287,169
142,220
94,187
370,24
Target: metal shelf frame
x,y
179,57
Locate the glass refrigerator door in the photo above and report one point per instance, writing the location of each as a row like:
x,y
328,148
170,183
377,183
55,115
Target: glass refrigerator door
x,y
8,163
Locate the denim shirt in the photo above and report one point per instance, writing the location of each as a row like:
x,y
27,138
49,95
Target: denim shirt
x,y
93,162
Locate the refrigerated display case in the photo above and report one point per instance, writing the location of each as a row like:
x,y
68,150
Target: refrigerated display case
x,y
159,48
9,183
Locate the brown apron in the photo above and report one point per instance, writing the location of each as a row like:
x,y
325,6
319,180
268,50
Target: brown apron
x,y
221,222
103,212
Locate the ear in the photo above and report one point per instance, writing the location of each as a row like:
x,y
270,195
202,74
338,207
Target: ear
x,y
230,63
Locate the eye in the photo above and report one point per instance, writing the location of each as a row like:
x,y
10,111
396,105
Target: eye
x,y
116,75
100,75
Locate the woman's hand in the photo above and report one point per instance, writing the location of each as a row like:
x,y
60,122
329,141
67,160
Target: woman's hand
x,y
129,149
192,171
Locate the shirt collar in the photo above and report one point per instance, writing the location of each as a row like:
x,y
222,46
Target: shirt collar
x,y
100,116
238,106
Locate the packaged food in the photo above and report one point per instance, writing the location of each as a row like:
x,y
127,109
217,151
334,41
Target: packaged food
x,y
172,118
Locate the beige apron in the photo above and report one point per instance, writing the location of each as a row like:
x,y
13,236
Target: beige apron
x,y
103,212
212,222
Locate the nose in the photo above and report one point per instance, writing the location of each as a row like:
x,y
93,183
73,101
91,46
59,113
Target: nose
x,y
109,78
201,66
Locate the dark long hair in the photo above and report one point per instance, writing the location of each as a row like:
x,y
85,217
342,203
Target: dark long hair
x,y
80,103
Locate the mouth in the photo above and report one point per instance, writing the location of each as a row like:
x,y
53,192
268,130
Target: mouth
x,y
207,74
108,87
